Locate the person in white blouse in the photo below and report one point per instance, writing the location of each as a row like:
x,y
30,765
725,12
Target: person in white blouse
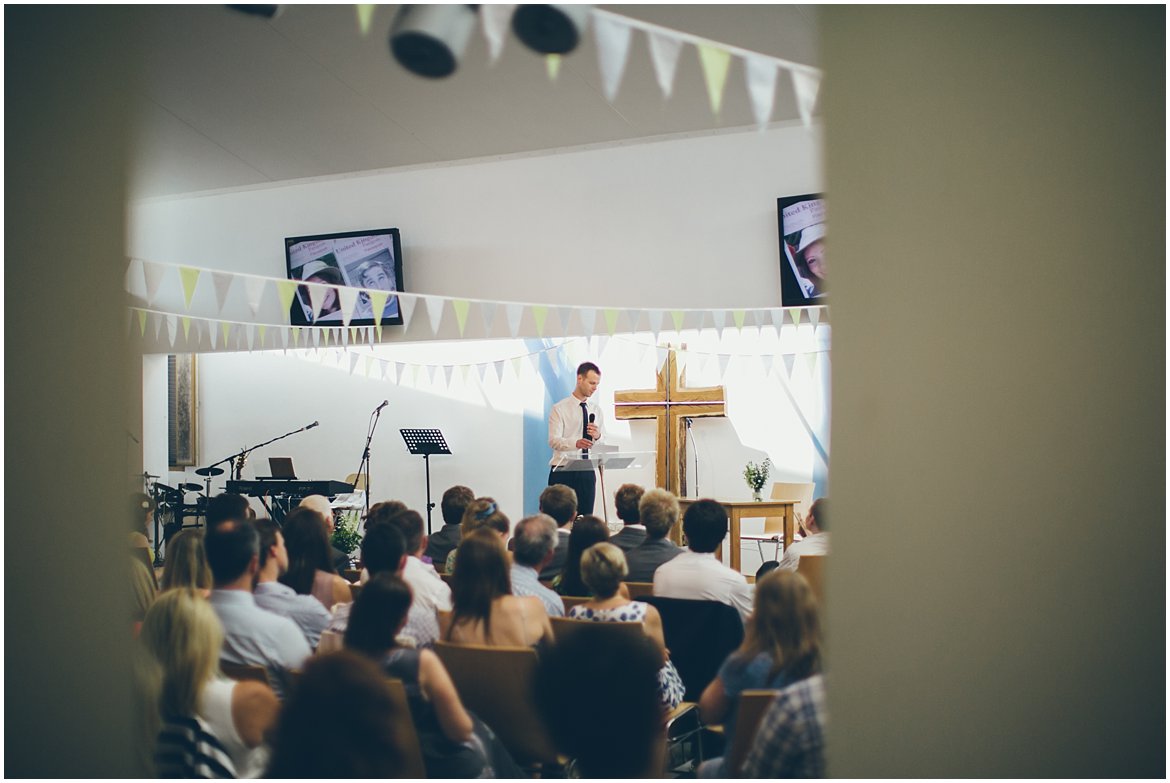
x,y
574,425
696,574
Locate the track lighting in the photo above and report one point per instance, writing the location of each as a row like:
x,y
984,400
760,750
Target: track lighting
x,y
550,29
429,39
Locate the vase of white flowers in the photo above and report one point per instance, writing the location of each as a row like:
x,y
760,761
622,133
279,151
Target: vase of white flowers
x,y
756,477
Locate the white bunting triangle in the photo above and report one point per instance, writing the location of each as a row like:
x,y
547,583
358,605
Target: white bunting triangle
x,y
213,334
588,320
514,312
660,359
810,362
317,293
664,51
724,360
254,290
172,328
498,366
719,319
251,335
769,362
635,316
348,298
353,362
761,87
399,369
435,308
153,275
814,316
495,19
789,361
565,314
133,275
488,311
613,48
222,283
806,85
655,317
284,334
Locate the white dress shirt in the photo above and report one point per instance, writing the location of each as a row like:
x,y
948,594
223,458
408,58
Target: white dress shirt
x,y
307,612
700,577
816,544
565,425
255,636
427,585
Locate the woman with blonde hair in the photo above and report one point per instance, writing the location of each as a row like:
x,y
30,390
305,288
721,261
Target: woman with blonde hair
x,y
782,645
186,563
183,635
481,512
484,611
603,567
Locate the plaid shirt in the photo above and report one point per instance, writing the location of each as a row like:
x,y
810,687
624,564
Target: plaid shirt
x,y
790,742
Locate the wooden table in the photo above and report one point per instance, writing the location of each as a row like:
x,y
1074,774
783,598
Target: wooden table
x,y
748,509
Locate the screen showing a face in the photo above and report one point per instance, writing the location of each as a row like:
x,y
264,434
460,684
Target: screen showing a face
x,y
368,260
803,265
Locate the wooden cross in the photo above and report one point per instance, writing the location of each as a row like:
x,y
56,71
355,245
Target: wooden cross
x,y
670,404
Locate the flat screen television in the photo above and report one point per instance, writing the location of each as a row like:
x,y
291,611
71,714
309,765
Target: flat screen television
x,y
370,260
803,268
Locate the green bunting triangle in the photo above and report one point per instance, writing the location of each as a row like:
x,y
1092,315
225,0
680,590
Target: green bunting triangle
x,y
286,289
186,327
611,317
716,63
262,329
553,64
226,328
190,278
365,16
142,322
677,316
738,316
461,306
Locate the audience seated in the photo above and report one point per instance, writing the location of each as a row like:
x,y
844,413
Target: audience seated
x,y
454,744
535,538
424,582
227,506
603,567
560,503
599,698
341,722
381,510
782,645
252,635
485,611
790,742
310,563
183,636
186,563
481,512
696,574
658,512
815,526
141,514
304,610
454,503
384,550
626,501
587,531
142,592
321,505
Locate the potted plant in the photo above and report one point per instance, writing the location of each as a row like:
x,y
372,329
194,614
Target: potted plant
x,y
756,477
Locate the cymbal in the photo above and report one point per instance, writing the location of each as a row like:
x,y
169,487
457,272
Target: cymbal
x,y
209,472
191,487
163,488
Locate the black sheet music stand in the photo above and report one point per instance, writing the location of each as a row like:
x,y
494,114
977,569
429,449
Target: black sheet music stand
x,y
426,442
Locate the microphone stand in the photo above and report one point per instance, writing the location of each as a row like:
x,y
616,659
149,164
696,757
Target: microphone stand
x,y
365,463
694,448
245,452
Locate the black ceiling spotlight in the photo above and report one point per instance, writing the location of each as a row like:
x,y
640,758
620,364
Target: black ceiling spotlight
x,y
429,39
550,29
263,11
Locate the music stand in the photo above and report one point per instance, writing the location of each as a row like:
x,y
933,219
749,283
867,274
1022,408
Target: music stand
x,y
426,443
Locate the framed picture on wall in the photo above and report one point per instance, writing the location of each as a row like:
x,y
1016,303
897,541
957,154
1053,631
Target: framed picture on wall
x,y
181,431
803,267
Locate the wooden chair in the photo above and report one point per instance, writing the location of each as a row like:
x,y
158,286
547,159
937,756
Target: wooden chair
x,y
359,482
244,672
355,590
496,684
444,622
699,635
774,526
639,589
574,600
331,641
564,627
446,577
413,766
812,568
352,575
752,706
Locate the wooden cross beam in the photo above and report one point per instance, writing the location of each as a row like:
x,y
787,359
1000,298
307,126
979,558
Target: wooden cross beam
x,y
670,404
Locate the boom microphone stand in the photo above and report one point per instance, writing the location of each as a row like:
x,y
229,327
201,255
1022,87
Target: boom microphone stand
x,y
365,463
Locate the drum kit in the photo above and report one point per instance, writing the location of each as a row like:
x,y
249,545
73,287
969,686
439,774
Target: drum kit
x,y
171,506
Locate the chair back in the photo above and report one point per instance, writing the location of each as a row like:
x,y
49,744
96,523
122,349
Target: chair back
x,y
564,627
700,635
496,684
359,482
331,641
355,590
640,589
752,706
812,568
575,600
802,492
413,766
245,672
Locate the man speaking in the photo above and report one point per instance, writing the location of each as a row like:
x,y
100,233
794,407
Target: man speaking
x,y
574,425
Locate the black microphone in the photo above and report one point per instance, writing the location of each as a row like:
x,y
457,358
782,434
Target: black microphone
x,y
383,405
311,426
592,417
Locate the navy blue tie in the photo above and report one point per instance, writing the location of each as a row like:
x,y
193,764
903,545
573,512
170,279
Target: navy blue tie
x,y
584,427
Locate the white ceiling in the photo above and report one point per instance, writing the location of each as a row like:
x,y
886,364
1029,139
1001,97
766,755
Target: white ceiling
x,y
230,100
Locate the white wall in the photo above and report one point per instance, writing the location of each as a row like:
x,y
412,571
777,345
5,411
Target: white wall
x,y
679,223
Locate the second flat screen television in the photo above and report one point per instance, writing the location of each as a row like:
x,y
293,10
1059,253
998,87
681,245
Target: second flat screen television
x,y
369,259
